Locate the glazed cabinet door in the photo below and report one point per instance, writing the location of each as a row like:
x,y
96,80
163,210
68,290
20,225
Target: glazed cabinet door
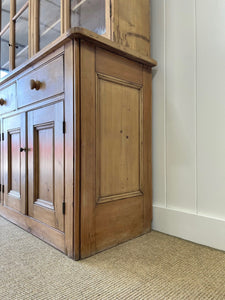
x,y
20,29
14,34
53,18
14,160
92,15
4,37
49,27
46,165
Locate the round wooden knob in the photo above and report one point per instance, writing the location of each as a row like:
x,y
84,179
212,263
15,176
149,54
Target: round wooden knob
x,y
2,102
35,84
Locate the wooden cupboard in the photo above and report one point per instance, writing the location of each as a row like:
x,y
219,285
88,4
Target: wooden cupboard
x,y
76,144
75,122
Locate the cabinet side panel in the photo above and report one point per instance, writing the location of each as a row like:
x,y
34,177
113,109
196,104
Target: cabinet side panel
x,y
119,213
115,154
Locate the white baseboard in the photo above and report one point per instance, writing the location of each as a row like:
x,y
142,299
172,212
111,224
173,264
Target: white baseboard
x,y
196,228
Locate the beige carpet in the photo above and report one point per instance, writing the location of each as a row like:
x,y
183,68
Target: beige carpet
x,y
154,266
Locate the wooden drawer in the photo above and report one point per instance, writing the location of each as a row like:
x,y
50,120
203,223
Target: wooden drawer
x,y
8,95
51,78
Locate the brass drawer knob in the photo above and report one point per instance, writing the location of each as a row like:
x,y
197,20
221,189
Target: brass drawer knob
x,y
2,102
35,84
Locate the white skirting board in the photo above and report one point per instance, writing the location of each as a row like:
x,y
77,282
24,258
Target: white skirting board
x,y
199,229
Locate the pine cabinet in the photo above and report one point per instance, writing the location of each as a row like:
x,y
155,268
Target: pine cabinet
x,y
75,121
76,144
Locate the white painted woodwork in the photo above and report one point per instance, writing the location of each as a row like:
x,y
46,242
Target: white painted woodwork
x,y
211,108
158,103
188,40
199,229
180,104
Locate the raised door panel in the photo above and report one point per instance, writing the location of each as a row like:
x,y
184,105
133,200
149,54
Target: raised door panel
x,y
14,157
46,165
115,150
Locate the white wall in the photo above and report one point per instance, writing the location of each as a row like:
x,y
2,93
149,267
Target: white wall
x,y
188,41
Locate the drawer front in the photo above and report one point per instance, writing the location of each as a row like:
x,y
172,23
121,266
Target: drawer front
x,y
47,81
8,98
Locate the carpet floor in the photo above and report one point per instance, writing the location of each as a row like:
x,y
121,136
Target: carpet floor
x,y
153,266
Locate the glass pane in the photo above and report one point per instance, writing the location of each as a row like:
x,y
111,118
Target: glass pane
x,y
4,40
20,4
5,13
89,14
50,22
21,34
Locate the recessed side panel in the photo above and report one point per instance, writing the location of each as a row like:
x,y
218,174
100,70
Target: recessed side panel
x,y
119,139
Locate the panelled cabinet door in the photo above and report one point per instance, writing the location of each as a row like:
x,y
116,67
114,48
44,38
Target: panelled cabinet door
x,y
14,158
46,165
